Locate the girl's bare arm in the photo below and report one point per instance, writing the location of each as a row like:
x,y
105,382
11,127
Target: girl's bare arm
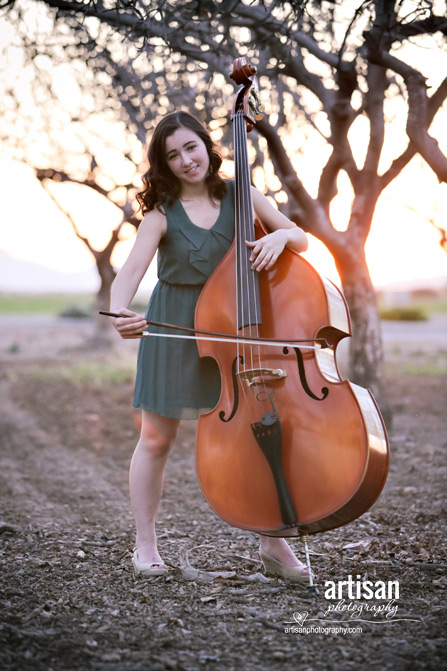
x,y
127,281
283,233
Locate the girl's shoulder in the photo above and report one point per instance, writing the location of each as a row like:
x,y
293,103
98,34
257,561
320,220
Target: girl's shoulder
x,y
154,221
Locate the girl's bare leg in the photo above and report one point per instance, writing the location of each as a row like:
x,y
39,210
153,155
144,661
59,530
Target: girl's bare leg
x,y
146,479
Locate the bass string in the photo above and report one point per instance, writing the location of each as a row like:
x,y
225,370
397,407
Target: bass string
x,y
239,251
238,216
254,288
239,126
247,277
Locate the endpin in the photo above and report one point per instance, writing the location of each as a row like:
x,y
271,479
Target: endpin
x,y
312,589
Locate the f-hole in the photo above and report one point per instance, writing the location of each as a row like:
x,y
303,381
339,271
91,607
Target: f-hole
x,y
235,390
302,372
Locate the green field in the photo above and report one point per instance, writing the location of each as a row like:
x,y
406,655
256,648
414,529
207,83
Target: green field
x,y
53,304
44,304
83,305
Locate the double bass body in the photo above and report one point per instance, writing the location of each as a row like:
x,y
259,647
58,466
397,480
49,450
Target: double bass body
x,y
333,445
291,448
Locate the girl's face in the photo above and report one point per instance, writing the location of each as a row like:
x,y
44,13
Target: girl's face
x,y
187,157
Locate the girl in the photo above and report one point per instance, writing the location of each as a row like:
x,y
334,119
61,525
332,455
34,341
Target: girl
x,y
189,217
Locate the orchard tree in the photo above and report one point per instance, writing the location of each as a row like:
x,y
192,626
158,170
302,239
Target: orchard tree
x,y
74,124
102,257
324,66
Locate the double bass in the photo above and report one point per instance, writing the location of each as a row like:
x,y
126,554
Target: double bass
x,y
291,449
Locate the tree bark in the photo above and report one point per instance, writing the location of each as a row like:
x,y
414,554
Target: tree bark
x,y
102,301
366,358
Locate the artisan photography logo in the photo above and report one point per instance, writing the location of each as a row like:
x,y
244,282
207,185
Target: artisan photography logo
x,y
347,597
349,605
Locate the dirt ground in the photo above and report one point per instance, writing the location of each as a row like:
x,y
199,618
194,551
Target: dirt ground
x,y
69,599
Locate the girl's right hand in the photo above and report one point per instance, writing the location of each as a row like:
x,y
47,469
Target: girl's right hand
x,y
130,325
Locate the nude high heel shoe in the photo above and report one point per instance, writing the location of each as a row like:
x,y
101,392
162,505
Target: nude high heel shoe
x,y
146,568
290,573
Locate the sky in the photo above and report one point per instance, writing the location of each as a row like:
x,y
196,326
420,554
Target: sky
x,y
403,245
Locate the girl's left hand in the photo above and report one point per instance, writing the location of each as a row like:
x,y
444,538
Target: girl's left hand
x,y
266,250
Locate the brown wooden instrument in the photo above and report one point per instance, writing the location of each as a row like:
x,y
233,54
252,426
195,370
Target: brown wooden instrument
x,y
291,448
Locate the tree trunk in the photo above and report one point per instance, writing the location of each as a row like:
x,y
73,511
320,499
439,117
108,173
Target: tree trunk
x,y
366,361
103,331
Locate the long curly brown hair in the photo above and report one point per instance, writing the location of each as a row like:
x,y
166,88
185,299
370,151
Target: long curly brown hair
x,y
160,185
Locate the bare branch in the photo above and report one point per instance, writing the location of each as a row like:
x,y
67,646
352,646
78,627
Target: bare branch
x,y
418,115
341,116
67,214
441,230
374,102
435,102
432,24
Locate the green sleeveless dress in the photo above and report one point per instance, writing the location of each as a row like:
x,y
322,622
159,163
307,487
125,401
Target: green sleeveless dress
x,y
172,380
